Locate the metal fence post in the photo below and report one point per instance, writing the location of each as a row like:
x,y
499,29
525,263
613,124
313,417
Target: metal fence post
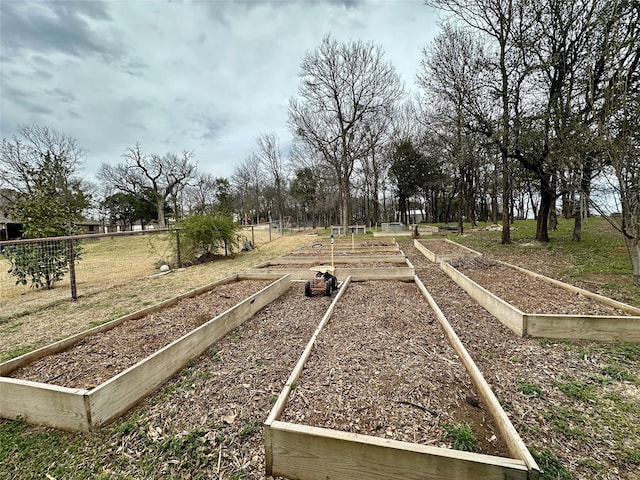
x,y
71,258
179,258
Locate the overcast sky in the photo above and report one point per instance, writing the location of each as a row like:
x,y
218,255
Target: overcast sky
x,y
207,76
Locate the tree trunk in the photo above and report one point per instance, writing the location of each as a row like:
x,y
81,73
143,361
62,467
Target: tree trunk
x,y
583,200
546,200
160,210
461,200
553,215
633,245
346,206
577,225
506,195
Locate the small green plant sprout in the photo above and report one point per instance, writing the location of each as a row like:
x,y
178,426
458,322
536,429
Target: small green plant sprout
x,y
249,429
462,437
549,464
215,354
529,389
577,390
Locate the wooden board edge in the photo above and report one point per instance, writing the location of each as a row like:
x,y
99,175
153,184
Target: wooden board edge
x,y
177,354
318,453
312,260
515,444
585,327
51,405
572,288
10,365
509,316
424,250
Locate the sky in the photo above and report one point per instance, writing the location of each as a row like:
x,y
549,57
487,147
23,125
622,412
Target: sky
x,y
203,76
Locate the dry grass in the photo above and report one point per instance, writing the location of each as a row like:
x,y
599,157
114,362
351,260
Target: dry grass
x,y
35,318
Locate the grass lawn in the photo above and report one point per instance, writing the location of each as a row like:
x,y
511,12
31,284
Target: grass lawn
x,y
599,263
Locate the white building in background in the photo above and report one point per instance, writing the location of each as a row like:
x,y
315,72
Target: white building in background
x,y
415,216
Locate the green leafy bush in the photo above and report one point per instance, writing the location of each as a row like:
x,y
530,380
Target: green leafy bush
x,y
202,237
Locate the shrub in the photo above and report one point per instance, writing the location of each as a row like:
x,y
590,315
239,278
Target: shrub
x,y
202,237
40,264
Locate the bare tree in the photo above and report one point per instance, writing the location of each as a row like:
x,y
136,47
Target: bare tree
x,y
26,153
342,86
503,22
617,199
271,159
162,176
450,77
248,181
605,84
200,194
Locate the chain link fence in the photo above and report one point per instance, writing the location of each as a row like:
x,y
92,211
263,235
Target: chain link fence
x,y
78,265
100,262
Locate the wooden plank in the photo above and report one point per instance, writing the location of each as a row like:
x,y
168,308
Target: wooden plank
x,y
515,445
50,405
435,258
277,408
425,251
599,298
246,275
325,250
586,327
392,234
120,393
313,453
337,258
297,370
374,273
10,365
508,315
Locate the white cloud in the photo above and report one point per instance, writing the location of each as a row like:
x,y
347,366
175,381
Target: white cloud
x,y
202,76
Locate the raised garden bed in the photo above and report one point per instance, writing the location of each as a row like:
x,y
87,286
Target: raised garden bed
x,y
367,247
358,267
226,393
374,391
532,304
443,249
97,375
342,253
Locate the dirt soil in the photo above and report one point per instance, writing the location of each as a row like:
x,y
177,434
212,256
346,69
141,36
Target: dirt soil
x,y
529,294
327,256
97,358
442,247
226,395
306,266
383,367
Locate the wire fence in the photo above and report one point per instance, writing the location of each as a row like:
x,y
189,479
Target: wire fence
x,y
86,264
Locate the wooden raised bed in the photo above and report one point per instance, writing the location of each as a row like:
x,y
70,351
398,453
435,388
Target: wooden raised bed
x,y
346,258
81,409
315,453
361,247
624,328
442,249
383,267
